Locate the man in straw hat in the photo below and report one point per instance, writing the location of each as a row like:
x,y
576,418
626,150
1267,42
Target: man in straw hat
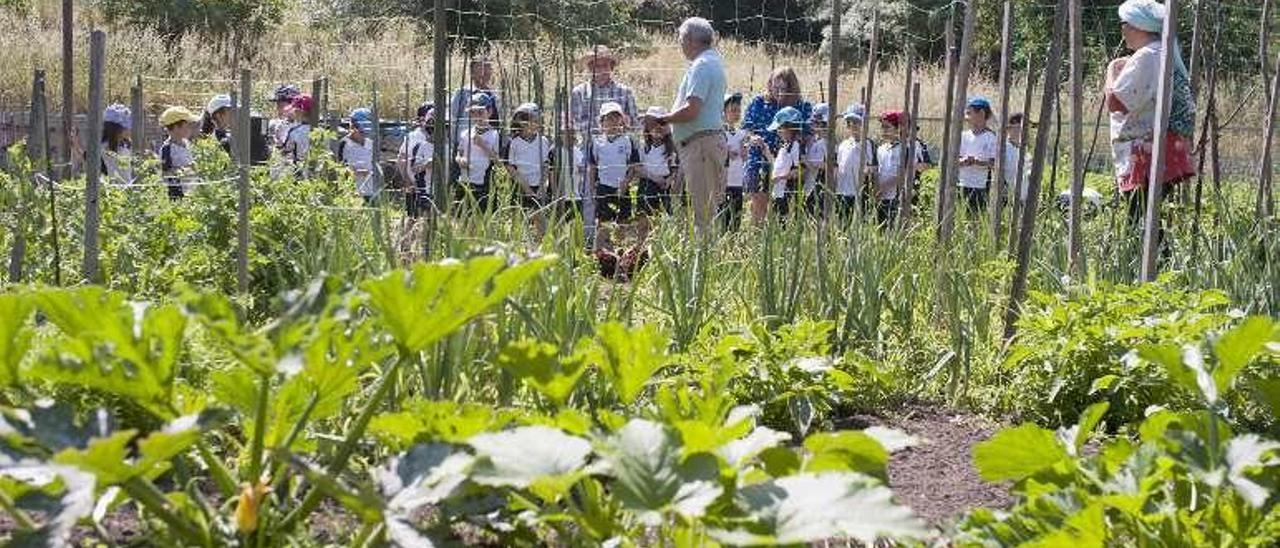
x,y
598,64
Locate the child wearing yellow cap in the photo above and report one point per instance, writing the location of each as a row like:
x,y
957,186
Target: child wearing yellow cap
x,y
175,154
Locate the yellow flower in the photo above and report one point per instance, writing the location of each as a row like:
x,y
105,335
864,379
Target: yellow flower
x,y
247,507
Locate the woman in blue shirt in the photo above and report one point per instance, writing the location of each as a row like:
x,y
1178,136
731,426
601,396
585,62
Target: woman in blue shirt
x,y
781,90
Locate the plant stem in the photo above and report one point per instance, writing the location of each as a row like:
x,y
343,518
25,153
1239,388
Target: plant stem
x,y
148,496
221,476
339,462
259,430
19,516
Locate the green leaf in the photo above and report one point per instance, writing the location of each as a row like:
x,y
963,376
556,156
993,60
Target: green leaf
x,y
426,474
539,365
848,451
15,336
629,358
1088,423
814,507
431,420
1017,453
645,458
1245,453
421,307
106,458
518,457
740,451
63,494
1238,347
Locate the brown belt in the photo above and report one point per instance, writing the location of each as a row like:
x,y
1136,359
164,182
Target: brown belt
x,y
698,135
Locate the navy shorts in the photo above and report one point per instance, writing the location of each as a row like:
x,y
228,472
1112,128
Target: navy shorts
x,y
611,205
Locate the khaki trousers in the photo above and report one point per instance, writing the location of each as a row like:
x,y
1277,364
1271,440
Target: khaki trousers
x,y
702,162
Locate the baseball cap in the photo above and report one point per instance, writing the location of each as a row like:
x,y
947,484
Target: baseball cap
x,y
980,103
302,102
788,116
855,112
173,115
529,108
119,115
362,118
610,108
821,111
218,102
734,97
480,99
285,93
654,112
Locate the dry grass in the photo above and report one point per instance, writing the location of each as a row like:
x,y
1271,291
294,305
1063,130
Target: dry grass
x,y
399,59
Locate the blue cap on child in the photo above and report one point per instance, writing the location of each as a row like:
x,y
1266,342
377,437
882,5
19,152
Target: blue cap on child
x,y
980,103
362,118
788,116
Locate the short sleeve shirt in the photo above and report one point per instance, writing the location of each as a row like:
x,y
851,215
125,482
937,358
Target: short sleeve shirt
x,y
980,145
889,158
735,139
529,157
297,143
1137,87
784,163
849,159
656,160
756,119
705,80
614,157
479,162
815,160
359,157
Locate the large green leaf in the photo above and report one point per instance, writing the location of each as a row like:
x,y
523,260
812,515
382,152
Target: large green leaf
x,y
848,451
62,494
628,357
520,456
645,458
740,451
1018,453
1238,347
420,307
435,420
111,460
539,365
814,507
129,349
15,335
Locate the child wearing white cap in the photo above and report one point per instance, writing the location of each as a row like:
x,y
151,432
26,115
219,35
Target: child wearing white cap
x,y
528,156
217,120
116,146
815,160
855,163
613,168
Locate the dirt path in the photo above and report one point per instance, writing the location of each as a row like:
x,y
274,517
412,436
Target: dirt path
x,y
936,478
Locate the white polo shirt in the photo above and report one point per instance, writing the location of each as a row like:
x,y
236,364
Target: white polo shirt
x,y
815,160
359,157
889,158
479,160
736,171
529,157
657,165
981,145
613,158
849,157
787,158
297,143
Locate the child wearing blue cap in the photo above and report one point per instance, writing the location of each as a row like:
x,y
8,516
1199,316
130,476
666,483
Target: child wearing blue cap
x,y
855,163
356,152
477,150
117,148
978,149
787,164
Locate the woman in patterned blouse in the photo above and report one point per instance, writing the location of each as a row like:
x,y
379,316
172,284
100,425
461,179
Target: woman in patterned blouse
x,y
781,90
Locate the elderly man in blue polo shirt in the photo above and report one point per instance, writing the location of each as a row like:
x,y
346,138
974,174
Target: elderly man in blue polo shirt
x,y
697,122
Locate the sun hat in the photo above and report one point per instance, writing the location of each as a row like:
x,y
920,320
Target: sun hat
x,y
893,117
1145,15
218,102
173,115
601,52
362,118
531,109
654,112
821,111
119,115
734,97
788,116
302,102
980,103
480,100
285,93
855,112
610,107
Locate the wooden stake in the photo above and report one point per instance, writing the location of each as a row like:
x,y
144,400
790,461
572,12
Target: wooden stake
x,y
908,187
833,83
93,157
68,88
906,177
317,92
868,98
944,166
1018,289
1266,196
244,120
440,166
37,152
1160,149
996,200
1020,179
947,187
1075,253
138,133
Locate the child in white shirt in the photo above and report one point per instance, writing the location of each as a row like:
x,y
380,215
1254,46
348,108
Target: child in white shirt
x,y
894,127
417,160
297,142
787,162
855,162
477,151
1015,184
815,161
978,149
736,169
613,168
117,149
658,168
528,156
356,152
176,163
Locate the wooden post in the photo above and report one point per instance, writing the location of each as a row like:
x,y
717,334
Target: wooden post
x,y
440,166
1197,48
1266,196
242,142
1018,289
908,187
944,165
68,88
375,168
1015,194
313,117
947,187
1264,40
1207,132
37,152
833,82
1160,150
93,157
138,133
872,67
906,177
1075,253
996,200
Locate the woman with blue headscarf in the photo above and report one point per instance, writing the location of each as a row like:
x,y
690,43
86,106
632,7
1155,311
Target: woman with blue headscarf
x,y
1132,85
